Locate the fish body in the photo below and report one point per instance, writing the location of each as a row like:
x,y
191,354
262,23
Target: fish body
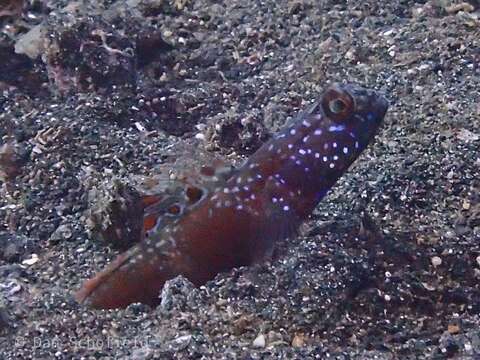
x,y
234,220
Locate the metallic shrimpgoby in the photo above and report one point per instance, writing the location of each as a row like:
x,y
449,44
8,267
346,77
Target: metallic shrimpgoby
x,y
235,218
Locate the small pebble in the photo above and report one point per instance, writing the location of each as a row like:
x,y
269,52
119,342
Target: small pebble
x,y
453,329
436,261
259,342
30,261
298,340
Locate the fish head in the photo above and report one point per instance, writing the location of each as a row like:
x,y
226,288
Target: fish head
x,y
354,110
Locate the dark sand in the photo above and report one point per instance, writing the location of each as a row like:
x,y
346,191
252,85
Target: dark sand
x,y
389,264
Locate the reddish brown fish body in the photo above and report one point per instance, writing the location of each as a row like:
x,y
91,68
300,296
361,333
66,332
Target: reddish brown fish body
x,y
236,222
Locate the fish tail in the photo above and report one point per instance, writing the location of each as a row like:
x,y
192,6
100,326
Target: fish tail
x,y
134,276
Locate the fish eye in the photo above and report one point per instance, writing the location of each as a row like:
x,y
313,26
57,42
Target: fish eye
x,y
337,106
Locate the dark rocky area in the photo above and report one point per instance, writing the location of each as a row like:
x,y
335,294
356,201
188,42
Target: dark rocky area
x,y
93,93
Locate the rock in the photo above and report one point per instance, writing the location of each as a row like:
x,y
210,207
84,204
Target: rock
x,y
32,43
15,247
116,214
181,342
11,8
86,54
177,294
63,232
12,157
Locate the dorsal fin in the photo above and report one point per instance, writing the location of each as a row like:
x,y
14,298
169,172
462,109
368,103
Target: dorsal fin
x,y
177,187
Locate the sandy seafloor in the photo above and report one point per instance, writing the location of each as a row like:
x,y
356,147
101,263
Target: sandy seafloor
x,y
388,266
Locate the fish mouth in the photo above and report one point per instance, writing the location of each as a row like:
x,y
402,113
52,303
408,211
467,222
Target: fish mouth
x,y
379,105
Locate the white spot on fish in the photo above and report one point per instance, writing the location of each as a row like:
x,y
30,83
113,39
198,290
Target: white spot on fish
x,y
345,150
286,208
336,128
306,123
302,152
293,132
332,165
334,145
318,132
